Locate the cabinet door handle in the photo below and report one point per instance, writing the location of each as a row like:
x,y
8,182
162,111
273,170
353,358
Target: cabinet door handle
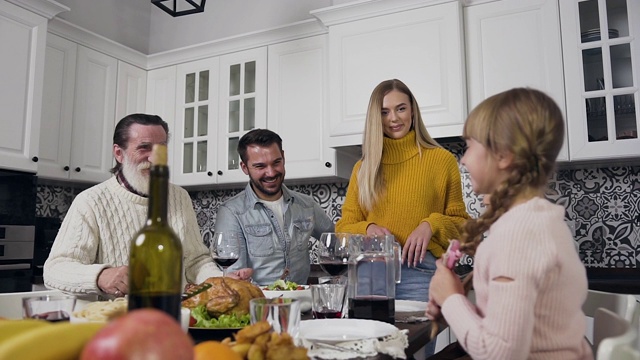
x,y
219,172
209,173
34,159
77,169
327,164
66,168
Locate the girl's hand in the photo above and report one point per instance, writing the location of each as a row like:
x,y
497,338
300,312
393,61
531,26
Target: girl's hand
x,y
374,229
444,283
415,248
433,312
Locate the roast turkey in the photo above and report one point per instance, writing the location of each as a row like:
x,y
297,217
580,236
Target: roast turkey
x,y
225,296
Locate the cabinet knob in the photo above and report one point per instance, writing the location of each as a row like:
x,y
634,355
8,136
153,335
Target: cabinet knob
x,y
327,164
34,159
77,169
66,168
209,173
219,172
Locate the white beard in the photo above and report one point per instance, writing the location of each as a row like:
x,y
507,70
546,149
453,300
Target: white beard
x,y
134,175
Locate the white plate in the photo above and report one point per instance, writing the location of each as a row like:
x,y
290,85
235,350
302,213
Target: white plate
x,y
410,306
333,331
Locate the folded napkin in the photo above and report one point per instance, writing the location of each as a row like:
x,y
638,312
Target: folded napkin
x,y
392,345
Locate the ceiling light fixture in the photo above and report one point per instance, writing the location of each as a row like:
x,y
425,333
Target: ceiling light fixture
x,y
180,7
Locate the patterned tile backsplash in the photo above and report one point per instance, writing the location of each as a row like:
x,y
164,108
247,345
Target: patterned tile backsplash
x,y
602,207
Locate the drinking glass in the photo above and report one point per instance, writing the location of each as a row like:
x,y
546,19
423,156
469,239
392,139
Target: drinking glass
x,y
333,253
225,249
327,300
49,307
283,314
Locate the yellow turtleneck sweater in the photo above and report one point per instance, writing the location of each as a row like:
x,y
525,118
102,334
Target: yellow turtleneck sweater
x,y
419,188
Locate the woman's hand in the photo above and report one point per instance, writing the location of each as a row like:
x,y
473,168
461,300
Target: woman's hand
x,y
415,248
444,283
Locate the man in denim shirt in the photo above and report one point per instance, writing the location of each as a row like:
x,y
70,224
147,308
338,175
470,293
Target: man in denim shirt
x,y
273,222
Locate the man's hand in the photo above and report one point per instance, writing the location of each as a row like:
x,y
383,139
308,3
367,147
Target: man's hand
x,y
242,274
114,281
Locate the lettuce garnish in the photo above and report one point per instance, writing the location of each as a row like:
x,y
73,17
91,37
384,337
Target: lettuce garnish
x,y
204,320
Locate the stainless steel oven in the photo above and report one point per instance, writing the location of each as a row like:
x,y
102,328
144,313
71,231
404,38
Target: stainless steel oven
x,y
17,230
16,257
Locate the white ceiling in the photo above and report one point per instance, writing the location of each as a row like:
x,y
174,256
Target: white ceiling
x,y
142,26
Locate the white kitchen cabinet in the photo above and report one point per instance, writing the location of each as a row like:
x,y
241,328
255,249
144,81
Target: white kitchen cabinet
x,y
514,43
421,46
195,142
22,39
57,108
131,93
242,107
161,101
93,116
298,109
83,88
602,75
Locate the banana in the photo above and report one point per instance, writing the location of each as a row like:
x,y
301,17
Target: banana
x,y
56,342
12,328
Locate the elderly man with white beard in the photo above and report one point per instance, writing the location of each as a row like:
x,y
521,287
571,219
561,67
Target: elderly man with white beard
x,y
90,254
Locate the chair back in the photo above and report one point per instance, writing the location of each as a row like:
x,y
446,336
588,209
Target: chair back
x,y
614,337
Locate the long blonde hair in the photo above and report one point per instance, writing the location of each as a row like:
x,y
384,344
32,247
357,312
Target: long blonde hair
x,y
527,124
370,179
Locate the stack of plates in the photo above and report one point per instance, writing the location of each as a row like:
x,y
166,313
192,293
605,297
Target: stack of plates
x,y
594,35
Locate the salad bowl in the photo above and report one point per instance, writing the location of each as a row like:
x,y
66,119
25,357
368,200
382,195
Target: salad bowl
x,y
290,290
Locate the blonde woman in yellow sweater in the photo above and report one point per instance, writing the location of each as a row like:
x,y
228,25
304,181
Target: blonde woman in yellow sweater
x,y
406,185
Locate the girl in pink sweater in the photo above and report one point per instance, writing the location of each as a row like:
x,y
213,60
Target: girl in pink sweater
x,y
528,279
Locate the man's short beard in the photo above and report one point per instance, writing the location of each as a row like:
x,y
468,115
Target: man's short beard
x,y
138,180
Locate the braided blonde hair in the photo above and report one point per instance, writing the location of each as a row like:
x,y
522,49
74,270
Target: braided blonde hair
x,y
523,122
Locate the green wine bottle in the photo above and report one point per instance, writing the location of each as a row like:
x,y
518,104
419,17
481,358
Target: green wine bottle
x,y
155,262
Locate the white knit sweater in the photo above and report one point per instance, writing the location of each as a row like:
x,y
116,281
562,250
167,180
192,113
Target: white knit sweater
x,y
539,314
97,230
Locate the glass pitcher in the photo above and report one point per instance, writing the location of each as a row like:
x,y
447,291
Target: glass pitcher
x,y
374,270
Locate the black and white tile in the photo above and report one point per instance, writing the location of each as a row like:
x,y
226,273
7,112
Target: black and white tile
x,y
601,204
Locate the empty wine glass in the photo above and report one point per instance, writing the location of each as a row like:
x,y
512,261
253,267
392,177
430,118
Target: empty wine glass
x,y
333,253
225,249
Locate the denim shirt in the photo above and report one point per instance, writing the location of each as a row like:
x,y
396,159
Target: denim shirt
x,y
264,246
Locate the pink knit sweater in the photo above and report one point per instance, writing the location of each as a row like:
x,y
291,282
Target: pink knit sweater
x,y
539,314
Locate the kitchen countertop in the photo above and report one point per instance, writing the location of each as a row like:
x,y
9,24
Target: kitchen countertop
x,y
615,280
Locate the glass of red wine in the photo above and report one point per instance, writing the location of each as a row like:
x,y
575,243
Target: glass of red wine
x,y
333,253
52,308
225,249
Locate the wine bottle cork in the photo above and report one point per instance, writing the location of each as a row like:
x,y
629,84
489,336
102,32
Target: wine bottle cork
x,y
159,155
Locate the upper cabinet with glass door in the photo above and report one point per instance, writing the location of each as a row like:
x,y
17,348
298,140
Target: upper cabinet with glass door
x,y
242,107
601,46
195,142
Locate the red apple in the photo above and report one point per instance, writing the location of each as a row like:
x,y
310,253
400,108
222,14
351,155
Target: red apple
x,y
140,334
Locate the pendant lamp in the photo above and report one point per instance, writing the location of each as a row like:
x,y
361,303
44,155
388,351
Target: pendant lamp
x,y
180,7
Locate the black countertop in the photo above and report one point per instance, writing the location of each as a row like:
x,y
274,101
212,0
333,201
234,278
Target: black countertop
x,y
616,280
